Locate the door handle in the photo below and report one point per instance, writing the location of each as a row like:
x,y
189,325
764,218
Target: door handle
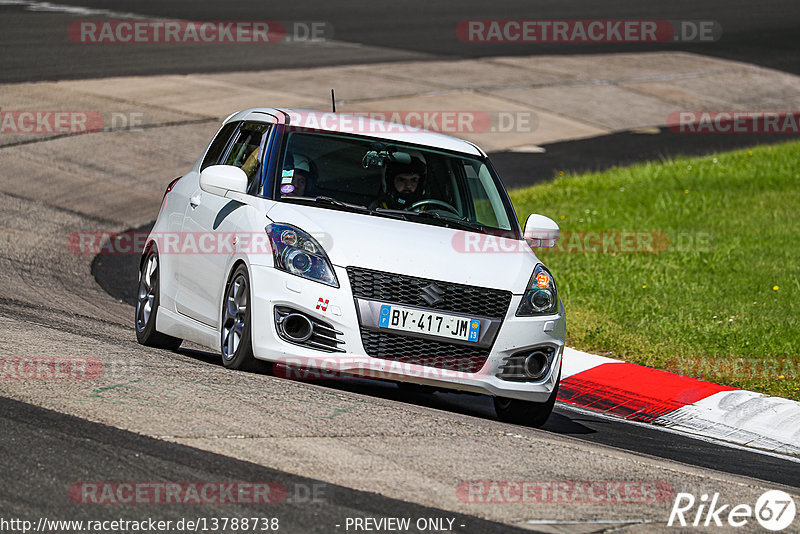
x,y
194,201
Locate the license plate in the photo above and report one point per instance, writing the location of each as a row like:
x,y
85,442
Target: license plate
x,y
424,322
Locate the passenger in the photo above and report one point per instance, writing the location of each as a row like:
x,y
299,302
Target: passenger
x,y
250,165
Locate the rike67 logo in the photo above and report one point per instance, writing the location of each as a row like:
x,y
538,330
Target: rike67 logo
x,y
774,510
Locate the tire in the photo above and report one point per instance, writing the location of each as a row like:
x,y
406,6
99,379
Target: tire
x,y
147,302
527,413
236,341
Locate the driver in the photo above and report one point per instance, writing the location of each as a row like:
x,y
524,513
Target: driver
x,y
403,184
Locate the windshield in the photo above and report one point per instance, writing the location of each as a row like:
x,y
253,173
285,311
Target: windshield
x,y
391,179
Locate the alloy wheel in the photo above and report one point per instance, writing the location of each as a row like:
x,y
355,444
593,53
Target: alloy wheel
x,y
148,281
234,316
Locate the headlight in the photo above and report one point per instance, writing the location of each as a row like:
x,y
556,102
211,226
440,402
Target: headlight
x,y
298,253
541,296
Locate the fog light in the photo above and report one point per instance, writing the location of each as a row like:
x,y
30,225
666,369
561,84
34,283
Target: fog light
x,y
536,365
297,327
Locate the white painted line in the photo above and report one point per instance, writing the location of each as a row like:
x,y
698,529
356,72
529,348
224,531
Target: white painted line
x,y
740,418
744,417
680,432
32,5
595,522
575,361
528,149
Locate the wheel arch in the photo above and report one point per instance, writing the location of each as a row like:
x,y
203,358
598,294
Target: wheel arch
x,y
228,277
235,265
151,244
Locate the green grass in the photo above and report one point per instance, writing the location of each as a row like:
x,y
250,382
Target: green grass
x,y
722,301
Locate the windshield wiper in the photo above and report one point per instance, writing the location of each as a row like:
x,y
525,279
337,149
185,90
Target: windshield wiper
x,y
407,215
334,202
359,208
468,225
446,221
329,201
388,211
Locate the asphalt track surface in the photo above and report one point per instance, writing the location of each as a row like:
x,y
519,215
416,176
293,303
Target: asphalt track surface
x,y
117,274
106,453
36,46
51,297
617,150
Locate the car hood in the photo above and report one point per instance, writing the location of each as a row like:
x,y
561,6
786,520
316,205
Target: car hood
x,y
414,249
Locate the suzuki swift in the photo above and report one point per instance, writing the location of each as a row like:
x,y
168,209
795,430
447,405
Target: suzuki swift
x,y
356,247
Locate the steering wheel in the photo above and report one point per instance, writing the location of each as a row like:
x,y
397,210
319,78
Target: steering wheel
x,y
434,202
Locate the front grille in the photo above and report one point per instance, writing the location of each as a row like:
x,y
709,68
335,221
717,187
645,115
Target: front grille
x,y
400,289
430,353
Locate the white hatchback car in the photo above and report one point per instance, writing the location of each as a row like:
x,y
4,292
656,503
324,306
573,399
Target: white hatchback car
x,y
356,247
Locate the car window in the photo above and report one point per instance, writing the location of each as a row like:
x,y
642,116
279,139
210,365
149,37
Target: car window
x,y
219,144
244,152
382,174
485,198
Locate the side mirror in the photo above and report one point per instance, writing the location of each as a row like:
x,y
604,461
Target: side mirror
x,y
221,179
541,231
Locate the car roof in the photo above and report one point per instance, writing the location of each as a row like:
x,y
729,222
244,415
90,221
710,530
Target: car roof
x,y
358,124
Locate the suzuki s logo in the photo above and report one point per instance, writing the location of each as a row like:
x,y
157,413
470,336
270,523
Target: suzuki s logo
x,y
432,294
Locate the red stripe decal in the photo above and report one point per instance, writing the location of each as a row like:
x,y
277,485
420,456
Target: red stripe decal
x,y
633,391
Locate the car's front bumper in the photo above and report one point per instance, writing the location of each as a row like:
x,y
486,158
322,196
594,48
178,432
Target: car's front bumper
x,y
337,307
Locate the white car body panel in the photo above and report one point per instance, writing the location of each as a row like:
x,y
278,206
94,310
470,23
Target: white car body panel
x,y
192,285
398,246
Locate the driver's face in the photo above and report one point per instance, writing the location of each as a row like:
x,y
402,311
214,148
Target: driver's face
x,y
406,183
